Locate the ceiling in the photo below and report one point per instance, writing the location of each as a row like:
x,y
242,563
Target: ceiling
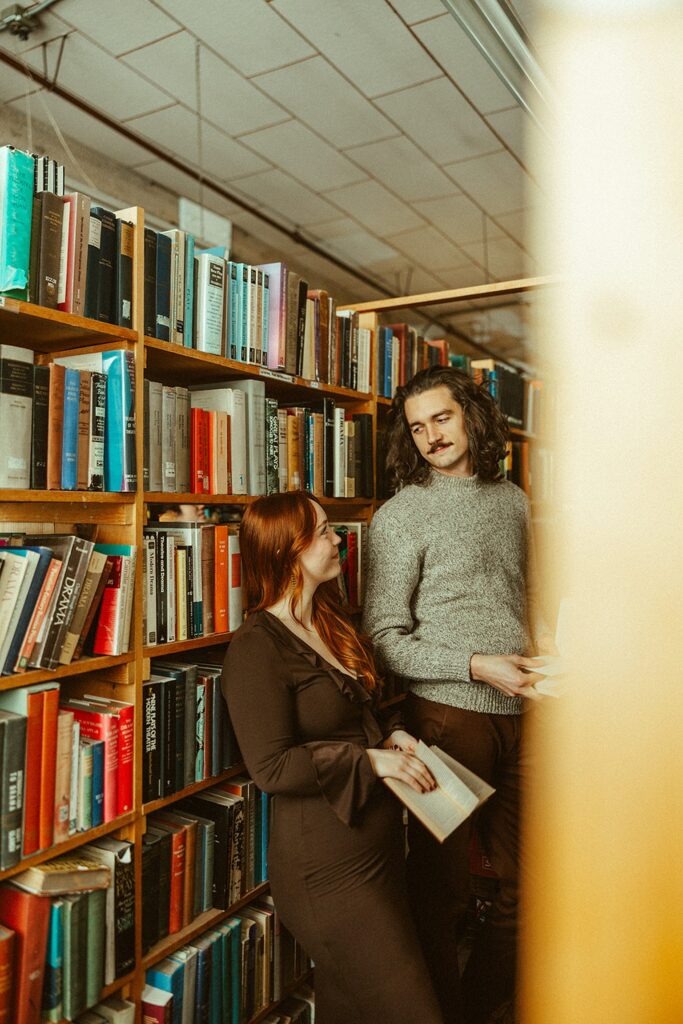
x,y
374,128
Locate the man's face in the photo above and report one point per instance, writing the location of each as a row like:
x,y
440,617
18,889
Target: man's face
x,y
437,425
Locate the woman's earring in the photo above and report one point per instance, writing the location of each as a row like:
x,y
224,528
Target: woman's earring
x,y
292,581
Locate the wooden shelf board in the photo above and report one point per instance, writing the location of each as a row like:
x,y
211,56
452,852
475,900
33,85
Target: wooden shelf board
x,y
166,360
196,787
96,663
383,400
69,497
72,843
50,330
164,498
161,650
200,924
484,291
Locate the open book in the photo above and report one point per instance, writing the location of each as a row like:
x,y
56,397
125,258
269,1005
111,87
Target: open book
x,y
458,793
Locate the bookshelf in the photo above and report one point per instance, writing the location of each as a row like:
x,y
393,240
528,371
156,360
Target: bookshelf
x,y
121,518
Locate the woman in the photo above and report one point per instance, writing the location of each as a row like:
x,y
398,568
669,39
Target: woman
x,y
302,689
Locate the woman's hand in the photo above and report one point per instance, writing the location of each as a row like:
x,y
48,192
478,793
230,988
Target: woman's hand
x,y
395,764
399,739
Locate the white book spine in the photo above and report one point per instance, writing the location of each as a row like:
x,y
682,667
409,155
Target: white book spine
x,y
150,588
64,256
234,582
168,454
155,436
282,447
75,771
339,453
171,619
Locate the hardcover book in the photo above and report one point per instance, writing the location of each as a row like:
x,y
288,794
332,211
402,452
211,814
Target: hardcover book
x,y
16,415
16,209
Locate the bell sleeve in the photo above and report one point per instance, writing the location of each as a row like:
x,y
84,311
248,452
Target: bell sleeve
x,y
258,690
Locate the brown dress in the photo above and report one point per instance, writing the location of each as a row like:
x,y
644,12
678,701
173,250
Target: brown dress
x,y
335,856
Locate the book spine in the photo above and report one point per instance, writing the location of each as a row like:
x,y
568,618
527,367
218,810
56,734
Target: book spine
x,y
188,339
96,725
75,777
55,427
150,591
125,235
16,414
12,790
106,283
94,962
53,982
84,418
85,765
41,391
16,199
163,288
92,275
94,608
168,439
120,460
150,282
151,751
70,430
65,722
97,793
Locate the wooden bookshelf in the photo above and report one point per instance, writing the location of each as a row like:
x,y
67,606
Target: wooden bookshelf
x,y
287,992
121,518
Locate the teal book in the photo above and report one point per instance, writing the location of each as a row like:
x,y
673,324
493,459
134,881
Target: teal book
x,y
52,1006
216,1011
233,318
120,469
187,955
169,976
72,393
262,830
188,336
97,748
96,933
16,212
204,971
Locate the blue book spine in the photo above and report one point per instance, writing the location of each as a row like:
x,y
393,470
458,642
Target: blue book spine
x,y
97,783
45,556
163,292
170,980
243,281
234,313
188,340
53,979
265,833
16,210
388,338
120,467
72,392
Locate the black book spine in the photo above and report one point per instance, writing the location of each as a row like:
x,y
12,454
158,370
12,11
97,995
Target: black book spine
x,y
41,390
151,736
163,893
150,283
52,216
328,447
189,594
163,289
216,727
151,861
124,913
13,739
34,257
178,684
301,326
92,274
162,588
71,584
106,284
98,408
125,235
220,815
168,753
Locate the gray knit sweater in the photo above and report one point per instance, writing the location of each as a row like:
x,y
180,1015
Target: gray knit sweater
x,y
450,575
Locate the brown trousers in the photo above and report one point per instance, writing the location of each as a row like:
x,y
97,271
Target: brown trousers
x,y
438,874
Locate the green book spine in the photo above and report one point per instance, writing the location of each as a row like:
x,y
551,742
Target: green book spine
x,y
16,213
75,954
96,915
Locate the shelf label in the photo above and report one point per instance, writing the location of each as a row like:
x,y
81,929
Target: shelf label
x,y
2,301
276,375
314,383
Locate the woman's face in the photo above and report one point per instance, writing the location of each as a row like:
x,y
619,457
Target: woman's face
x,y
320,560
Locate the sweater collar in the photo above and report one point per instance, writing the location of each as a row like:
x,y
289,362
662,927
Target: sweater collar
x,y
454,484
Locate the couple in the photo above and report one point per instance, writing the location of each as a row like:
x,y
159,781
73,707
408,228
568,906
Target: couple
x,y
450,608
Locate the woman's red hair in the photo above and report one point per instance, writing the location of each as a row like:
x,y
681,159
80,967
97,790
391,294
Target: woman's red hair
x,y
275,530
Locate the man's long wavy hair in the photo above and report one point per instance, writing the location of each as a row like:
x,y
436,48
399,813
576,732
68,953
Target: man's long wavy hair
x,y
275,530
487,429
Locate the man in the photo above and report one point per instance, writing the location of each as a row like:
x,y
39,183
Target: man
x,y
451,608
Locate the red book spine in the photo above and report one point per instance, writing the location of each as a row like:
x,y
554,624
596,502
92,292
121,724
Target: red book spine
x,y
7,974
195,458
34,755
111,610
126,717
96,725
28,916
175,912
220,597
211,453
48,768
204,453
153,1014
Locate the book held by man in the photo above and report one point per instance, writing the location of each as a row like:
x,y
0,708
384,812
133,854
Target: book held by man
x,y
458,793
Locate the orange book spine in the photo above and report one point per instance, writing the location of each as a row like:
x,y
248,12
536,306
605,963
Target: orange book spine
x,y
48,769
7,943
34,753
39,613
211,453
220,600
176,908
55,426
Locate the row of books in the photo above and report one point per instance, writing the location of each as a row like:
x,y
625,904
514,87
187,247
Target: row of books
x,y
66,766
230,973
505,385
67,931
352,555
69,425
62,251
186,733
401,352
220,439
61,595
207,851
192,581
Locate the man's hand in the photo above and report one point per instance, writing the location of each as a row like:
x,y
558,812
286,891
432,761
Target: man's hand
x,y
505,673
401,740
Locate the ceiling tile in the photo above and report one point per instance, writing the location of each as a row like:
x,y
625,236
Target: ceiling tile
x,y
465,276
526,140
117,27
14,84
337,228
496,182
457,216
402,167
297,150
428,248
247,33
114,88
417,10
517,223
437,118
359,248
375,208
415,281
461,59
161,173
312,90
50,28
286,197
79,126
170,63
366,41
504,259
